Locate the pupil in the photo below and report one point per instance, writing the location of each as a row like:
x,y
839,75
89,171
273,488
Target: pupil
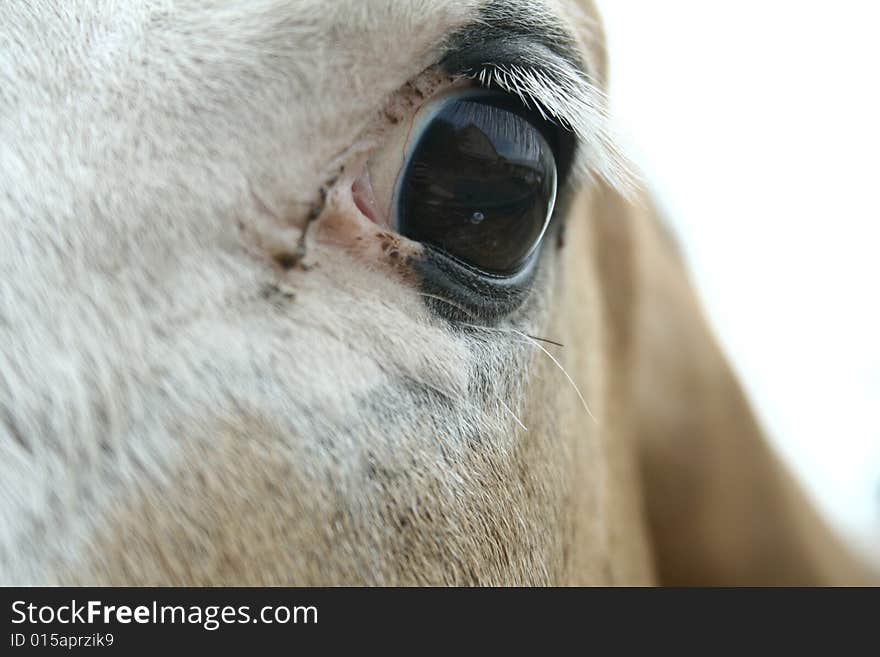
x,y
480,184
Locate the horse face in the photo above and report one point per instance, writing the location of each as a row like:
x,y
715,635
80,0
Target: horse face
x,y
281,289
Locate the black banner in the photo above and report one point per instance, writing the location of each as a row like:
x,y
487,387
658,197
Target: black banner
x,y
568,620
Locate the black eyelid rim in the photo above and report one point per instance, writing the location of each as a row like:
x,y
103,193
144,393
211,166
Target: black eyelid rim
x,y
470,293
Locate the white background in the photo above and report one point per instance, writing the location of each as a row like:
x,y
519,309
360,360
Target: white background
x,y
758,124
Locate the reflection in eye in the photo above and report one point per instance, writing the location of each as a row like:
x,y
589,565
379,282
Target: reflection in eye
x,y
480,183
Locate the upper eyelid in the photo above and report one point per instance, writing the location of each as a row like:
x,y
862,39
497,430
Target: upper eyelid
x,y
514,57
564,94
542,66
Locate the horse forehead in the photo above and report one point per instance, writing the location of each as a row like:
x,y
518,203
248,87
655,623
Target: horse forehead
x,y
104,80
149,54
270,90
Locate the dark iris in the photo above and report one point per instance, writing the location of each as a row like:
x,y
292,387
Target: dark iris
x,y
480,183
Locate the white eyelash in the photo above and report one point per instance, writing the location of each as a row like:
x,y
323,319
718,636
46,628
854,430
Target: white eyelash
x,y
559,94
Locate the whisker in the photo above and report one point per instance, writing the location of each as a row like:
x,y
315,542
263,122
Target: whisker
x,y
548,341
462,309
530,339
533,342
512,414
562,369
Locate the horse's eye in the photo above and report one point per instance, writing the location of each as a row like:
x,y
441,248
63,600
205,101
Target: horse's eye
x,y
478,182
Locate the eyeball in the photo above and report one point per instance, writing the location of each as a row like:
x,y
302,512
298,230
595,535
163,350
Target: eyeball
x,y
478,182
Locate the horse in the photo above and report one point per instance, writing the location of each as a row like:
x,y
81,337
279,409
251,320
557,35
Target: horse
x,y
360,292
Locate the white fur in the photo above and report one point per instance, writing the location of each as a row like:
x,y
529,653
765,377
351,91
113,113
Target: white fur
x,y
141,143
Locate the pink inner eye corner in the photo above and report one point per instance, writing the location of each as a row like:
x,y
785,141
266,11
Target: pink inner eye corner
x,y
365,198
